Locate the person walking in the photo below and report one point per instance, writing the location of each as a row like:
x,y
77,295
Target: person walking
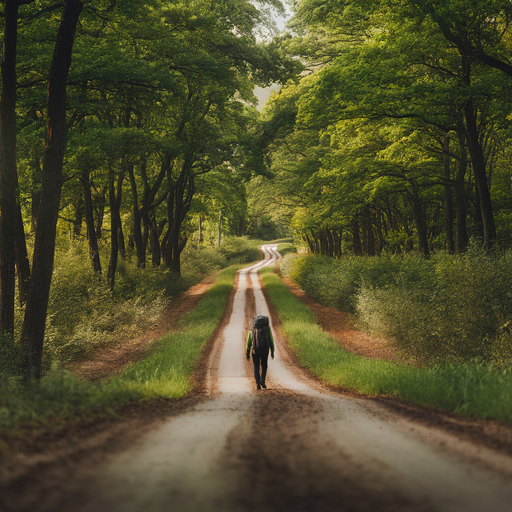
x,y
260,342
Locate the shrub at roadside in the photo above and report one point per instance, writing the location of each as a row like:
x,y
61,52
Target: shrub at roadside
x,y
83,314
445,309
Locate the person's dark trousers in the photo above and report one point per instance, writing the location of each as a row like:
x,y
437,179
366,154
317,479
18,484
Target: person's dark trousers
x,y
256,360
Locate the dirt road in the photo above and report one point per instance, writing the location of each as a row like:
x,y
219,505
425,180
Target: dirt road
x,y
292,447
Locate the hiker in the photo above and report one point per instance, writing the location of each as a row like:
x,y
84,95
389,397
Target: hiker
x,y
260,341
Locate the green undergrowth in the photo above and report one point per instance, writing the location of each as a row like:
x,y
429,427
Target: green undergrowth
x,y
83,313
163,374
482,391
285,248
445,309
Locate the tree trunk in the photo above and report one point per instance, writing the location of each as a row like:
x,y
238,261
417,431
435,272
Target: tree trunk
x,y
179,200
44,245
356,240
137,229
448,200
36,193
478,160
310,244
94,252
152,230
100,213
330,242
316,243
79,216
120,236
419,220
8,170
460,198
22,262
219,227
115,220
380,235
200,237
370,236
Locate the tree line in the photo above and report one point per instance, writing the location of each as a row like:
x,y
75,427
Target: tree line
x,y
118,118
396,136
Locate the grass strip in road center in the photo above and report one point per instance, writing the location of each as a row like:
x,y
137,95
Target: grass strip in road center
x,y
474,390
164,374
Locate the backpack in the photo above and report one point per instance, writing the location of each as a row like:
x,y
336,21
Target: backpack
x,y
260,335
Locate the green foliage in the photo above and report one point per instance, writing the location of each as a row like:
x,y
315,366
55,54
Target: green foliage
x,y
336,283
368,139
83,314
166,372
286,248
9,356
203,259
472,389
445,309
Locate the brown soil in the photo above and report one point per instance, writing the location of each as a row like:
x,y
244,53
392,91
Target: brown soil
x,y
297,468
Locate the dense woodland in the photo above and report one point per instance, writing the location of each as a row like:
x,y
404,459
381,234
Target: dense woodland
x,y
124,122
397,135
133,125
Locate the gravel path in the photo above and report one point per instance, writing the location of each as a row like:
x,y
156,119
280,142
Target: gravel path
x,y
293,447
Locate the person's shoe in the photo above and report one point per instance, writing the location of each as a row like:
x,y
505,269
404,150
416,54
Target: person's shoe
x,y
263,385
258,387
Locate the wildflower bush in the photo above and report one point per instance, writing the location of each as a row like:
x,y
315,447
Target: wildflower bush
x,y
446,309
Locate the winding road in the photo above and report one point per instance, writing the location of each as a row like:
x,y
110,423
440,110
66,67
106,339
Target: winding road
x,y
293,447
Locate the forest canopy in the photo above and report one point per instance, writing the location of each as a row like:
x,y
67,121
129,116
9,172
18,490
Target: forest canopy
x,y
396,137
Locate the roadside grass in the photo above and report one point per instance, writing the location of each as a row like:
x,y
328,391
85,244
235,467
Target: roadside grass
x,y
164,374
482,391
285,248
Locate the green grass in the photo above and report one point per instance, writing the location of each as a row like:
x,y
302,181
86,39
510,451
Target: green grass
x,y
477,390
286,248
164,374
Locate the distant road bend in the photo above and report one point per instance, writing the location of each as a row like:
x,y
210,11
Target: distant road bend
x,y
293,447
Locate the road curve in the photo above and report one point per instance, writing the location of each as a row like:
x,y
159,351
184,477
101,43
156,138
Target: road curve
x,y
294,446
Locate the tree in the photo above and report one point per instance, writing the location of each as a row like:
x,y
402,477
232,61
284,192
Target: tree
x,y
390,73
11,235
44,246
